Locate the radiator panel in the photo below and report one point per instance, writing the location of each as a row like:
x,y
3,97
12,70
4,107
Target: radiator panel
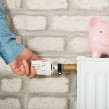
x,y
92,83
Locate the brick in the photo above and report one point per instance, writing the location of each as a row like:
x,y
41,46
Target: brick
x,y
78,45
25,22
10,103
90,4
12,4
73,103
11,85
62,60
69,23
4,69
54,85
72,23
46,4
46,43
47,103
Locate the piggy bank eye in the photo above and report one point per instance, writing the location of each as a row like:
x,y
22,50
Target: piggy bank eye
x,y
100,31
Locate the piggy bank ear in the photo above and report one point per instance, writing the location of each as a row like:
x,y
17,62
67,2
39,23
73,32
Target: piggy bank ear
x,y
94,21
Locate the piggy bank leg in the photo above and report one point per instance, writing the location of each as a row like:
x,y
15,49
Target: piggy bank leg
x,y
108,54
96,54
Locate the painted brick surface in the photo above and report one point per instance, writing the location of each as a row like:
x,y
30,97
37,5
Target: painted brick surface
x,y
24,22
47,103
46,43
10,103
72,23
46,4
13,4
4,69
11,85
90,4
69,23
53,85
76,45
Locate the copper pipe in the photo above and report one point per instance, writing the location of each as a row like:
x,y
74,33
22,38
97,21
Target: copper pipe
x,y
69,67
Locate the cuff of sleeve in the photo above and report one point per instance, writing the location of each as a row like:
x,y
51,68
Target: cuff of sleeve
x,y
10,51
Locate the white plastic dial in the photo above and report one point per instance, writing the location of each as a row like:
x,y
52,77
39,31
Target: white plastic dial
x,y
43,67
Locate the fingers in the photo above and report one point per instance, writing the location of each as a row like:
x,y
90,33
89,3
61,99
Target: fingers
x,y
29,70
33,72
26,67
20,70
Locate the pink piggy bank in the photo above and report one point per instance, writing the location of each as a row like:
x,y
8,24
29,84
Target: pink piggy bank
x,y
98,38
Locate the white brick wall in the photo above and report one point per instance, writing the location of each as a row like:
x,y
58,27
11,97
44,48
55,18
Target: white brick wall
x,y
46,4
11,85
10,103
49,85
90,4
24,22
13,4
72,23
57,30
78,45
63,60
41,43
4,68
47,103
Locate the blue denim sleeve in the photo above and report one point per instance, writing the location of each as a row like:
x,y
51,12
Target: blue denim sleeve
x,y
9,48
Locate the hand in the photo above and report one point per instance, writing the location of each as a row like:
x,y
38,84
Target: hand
x,y
22,64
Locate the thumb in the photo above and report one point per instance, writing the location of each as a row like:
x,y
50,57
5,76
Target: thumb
x,y
34,57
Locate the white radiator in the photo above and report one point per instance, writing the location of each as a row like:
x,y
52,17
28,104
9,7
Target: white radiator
x,y
92,83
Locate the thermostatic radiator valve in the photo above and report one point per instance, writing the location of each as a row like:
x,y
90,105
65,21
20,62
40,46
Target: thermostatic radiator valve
x,y
49,68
